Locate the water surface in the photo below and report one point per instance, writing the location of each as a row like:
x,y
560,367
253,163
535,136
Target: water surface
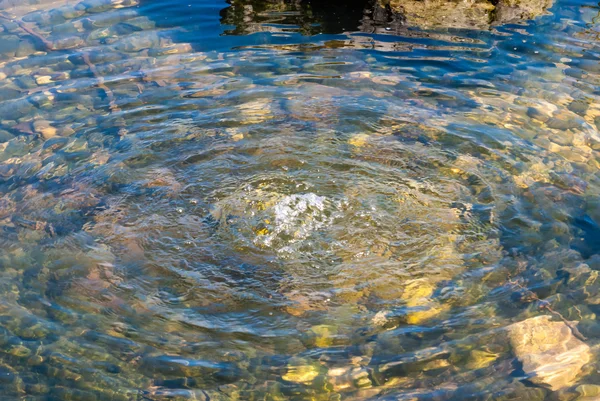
x,y
273,201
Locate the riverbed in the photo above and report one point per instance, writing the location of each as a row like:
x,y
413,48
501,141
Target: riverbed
x,y
297,201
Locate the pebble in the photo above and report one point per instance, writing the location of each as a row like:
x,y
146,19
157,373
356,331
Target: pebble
x,y
301,371
5,136
43,79
44,128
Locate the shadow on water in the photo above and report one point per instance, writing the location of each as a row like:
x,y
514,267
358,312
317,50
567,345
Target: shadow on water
x,y
208,23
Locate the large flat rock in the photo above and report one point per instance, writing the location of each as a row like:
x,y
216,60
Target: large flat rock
x,y
550,353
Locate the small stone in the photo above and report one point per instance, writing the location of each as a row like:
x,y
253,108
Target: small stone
x,y
9,45
137,42
67,43
43,79
301,371
417,289
66,131
26,82
323,335
535,114
360,377
579,106
479,359
5,136
70,11
44,128
358,140
25,49
562,123
550,353
422,315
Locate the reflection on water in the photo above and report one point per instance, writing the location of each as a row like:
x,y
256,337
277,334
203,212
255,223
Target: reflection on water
x,y
381,16
386,210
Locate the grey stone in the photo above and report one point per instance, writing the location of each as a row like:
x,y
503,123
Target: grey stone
x,y
26,48
5,136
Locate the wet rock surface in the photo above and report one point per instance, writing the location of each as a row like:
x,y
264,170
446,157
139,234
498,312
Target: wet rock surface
x,y
550,352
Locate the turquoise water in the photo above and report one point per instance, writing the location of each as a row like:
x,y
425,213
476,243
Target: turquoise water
x,y
293,201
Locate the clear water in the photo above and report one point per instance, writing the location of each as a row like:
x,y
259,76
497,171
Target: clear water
x,y
291,201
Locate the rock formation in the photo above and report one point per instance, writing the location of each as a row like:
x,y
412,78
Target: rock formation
x,y
550,353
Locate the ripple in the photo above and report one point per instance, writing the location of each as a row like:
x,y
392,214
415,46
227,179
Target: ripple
x,y
191,215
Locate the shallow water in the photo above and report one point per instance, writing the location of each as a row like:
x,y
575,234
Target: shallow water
x,y
291,201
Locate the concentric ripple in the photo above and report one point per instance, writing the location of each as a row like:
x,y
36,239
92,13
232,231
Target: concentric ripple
x,y
187,215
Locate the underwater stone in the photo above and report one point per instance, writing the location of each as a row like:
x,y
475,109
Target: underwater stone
x,y
26,82
479,359
138,42
69,11
301,371
16,108
579,106
26,48
9,45
535,114
359,140
323,335
44,128
8,94
588,390
550,353
5,136
71,27
562,123
98,6
68,43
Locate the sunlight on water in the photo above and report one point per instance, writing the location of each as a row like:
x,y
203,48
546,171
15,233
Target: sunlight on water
x,y
293,200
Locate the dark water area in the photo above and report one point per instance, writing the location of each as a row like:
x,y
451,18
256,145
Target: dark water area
x,y
299,200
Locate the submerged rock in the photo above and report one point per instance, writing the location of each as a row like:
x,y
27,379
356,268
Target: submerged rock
x,y
301,371
550,353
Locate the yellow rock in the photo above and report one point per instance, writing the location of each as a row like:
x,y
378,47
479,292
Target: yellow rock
x,y
416,290
418,317
43,79
300,373
48,133
262,231
44,128
481,359
323,335
436,364
358,140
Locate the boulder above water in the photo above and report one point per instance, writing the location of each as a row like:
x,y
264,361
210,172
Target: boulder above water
x,y
476,14
550,353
